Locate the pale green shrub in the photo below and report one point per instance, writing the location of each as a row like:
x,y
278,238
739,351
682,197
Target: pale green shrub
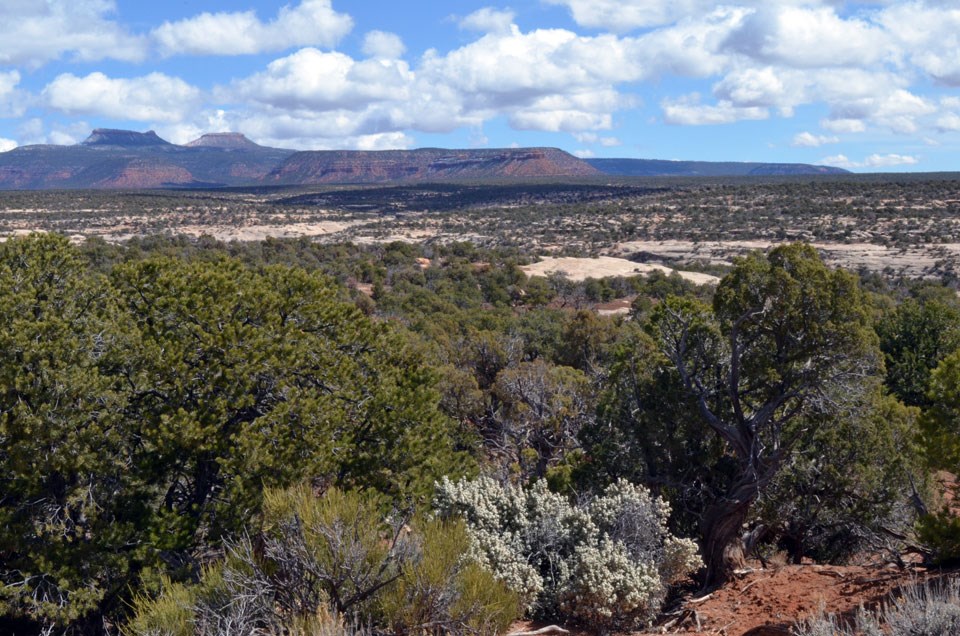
x,y
932,609
334,566
606,561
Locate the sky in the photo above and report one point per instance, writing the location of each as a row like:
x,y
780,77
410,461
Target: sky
x,y
872,86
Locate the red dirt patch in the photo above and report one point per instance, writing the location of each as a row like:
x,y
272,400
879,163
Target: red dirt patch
x,y
769,602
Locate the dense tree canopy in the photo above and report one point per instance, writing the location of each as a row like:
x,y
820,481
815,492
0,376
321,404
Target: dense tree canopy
x,y
141,416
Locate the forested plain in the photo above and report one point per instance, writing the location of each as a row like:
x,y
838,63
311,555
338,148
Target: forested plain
x,y
319,437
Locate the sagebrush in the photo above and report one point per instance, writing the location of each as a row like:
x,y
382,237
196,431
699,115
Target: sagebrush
x,y
605,561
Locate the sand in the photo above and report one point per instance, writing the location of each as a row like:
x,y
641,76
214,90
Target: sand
x,y
579,269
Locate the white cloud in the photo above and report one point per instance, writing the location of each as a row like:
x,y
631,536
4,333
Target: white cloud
x,y
515,67
549,80
752,87
594,138
855,97
948,122
873,161
897,110
688,111
886,161
33,33
843,125
12,100
587,110
584,154
154,97
324,132
34,131
691,48
314,80
488,20
929,33
207,121
8,82
809,37
311,23
839,161
809,140
381,44
7,144
559,120
762,58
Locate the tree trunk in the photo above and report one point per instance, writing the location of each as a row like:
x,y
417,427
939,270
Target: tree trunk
x,y
722,527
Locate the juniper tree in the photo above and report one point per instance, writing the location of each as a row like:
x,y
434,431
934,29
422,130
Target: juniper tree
x,y
786,337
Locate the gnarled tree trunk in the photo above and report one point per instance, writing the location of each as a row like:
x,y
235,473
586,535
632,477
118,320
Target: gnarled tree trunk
x,y
722,526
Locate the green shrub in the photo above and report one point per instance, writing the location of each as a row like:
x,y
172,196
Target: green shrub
x,y
441,589
337,548
940,533
333,565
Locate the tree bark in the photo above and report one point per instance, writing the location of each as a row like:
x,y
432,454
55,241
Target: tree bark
x,y
722,527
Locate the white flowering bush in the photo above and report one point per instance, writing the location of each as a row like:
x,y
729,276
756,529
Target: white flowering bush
x,y
605,561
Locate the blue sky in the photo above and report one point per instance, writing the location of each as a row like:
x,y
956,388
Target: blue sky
x,y
868,85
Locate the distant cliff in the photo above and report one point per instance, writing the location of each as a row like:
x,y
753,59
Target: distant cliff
x,y
131,160
114,159
342,166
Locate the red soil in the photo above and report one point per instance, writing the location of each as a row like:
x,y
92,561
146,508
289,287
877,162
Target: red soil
x,y
769,602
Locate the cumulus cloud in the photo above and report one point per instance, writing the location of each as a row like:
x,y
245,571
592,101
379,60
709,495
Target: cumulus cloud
x,y
559,120
315,80
7,144
886,161
897,110
383,45
200,123
691,48
35,131
843,125
873,161
488,20
839,161
929,33
948,122
311,23
753,87
594,138
855,97
154,97
326,131
809,37
809,140
688,111
527,75
12,100
549,79
34,33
